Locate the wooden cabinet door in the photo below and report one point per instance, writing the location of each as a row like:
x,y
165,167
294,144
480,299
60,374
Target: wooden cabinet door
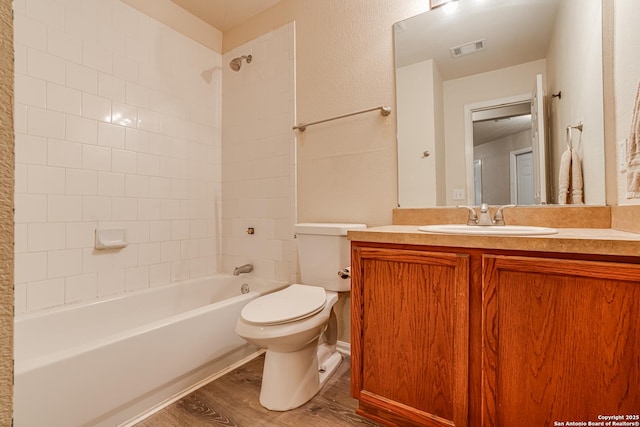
x,y
561,341
410,338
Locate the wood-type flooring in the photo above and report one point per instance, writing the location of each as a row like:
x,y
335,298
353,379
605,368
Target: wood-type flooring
x,y
233,401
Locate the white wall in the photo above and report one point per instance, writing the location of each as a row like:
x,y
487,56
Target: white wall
x,y
496,165
626,79
258,156
416,103
117,125
574,66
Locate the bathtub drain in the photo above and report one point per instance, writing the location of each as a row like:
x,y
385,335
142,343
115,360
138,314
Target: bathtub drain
x,y
244,288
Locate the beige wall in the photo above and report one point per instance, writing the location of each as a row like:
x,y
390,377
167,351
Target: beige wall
x,y
574,66
6,212
626,77
503,83
344,62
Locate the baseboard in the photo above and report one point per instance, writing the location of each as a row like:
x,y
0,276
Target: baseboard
x,y
344,348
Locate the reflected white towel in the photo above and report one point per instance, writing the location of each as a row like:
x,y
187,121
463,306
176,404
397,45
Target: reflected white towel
x,y
564,180
633,152
576,179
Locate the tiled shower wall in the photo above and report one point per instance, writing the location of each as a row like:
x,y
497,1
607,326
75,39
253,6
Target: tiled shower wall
x,y
117,125
258,156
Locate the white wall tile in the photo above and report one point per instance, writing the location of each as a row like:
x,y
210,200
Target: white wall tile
x,y
81,288
30,208
46,180
45,66
124,114
64,153
110,135
29,32
30,91
136,186
82,130
21,237
63,99
64,208
137,278
125,68
160,274
41,122
46,236
96,208
149,253
30,267
45,293
96,107
82,182
20,118
81,234
124,161
104,139
111,282
96,158
110,184
124,209
64,45
111,87
81,78
31,149
47,12
159,231
97,58
62,263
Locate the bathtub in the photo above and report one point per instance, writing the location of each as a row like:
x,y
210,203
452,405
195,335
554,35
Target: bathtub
x,y
104,363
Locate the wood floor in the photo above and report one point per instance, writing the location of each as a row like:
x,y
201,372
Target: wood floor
x,y
232,400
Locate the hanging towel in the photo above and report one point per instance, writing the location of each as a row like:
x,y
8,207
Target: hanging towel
x,y
564,181
576,178
633,152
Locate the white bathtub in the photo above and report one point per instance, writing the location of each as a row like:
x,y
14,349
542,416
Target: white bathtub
x,y
105,362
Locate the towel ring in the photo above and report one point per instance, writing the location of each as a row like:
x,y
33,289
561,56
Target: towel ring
x,y
578,126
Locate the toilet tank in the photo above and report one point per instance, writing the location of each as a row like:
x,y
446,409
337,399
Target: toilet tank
x,y
323,250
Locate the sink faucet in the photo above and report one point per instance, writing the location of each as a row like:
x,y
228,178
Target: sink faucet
x,y
484,219
247,268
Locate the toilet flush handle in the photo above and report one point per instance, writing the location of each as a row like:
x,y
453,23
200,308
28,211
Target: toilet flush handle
x,y
345,273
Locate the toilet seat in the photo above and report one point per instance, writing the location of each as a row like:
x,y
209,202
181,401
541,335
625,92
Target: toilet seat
x,y
293,303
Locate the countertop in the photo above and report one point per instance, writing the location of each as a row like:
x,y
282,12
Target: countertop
x,y
601,241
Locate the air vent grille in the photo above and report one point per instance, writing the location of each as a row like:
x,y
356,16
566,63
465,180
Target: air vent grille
x,y
467,48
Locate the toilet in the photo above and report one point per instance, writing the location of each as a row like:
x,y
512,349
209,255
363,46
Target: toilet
x,y
297,325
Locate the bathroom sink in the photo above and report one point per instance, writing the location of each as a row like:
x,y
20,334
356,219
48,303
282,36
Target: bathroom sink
x,y
489,230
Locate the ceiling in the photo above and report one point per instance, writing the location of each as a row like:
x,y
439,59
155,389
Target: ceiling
x,y
225,14
519,32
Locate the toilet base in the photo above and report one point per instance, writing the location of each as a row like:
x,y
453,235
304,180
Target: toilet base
x,y
290,380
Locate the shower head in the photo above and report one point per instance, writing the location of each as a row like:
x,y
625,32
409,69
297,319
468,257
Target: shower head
x,y
236,63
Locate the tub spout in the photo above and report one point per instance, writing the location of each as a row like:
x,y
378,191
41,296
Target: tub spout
x,y
247,268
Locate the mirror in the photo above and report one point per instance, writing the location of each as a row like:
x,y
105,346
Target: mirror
x,y
460,69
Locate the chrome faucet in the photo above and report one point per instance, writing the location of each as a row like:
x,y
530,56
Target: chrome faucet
x,y
247,268
484,219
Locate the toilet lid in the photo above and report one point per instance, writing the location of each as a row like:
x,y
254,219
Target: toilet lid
x,y
292,303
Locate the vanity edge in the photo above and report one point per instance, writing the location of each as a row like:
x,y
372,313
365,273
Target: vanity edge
x,y
602,241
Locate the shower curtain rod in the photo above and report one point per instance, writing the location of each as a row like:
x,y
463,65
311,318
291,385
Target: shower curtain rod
x,y
384,111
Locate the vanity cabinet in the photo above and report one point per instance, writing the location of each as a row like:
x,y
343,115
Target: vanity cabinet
x,y
409,341
468,337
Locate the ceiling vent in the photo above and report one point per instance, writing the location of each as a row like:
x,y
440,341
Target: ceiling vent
x,y
467,48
